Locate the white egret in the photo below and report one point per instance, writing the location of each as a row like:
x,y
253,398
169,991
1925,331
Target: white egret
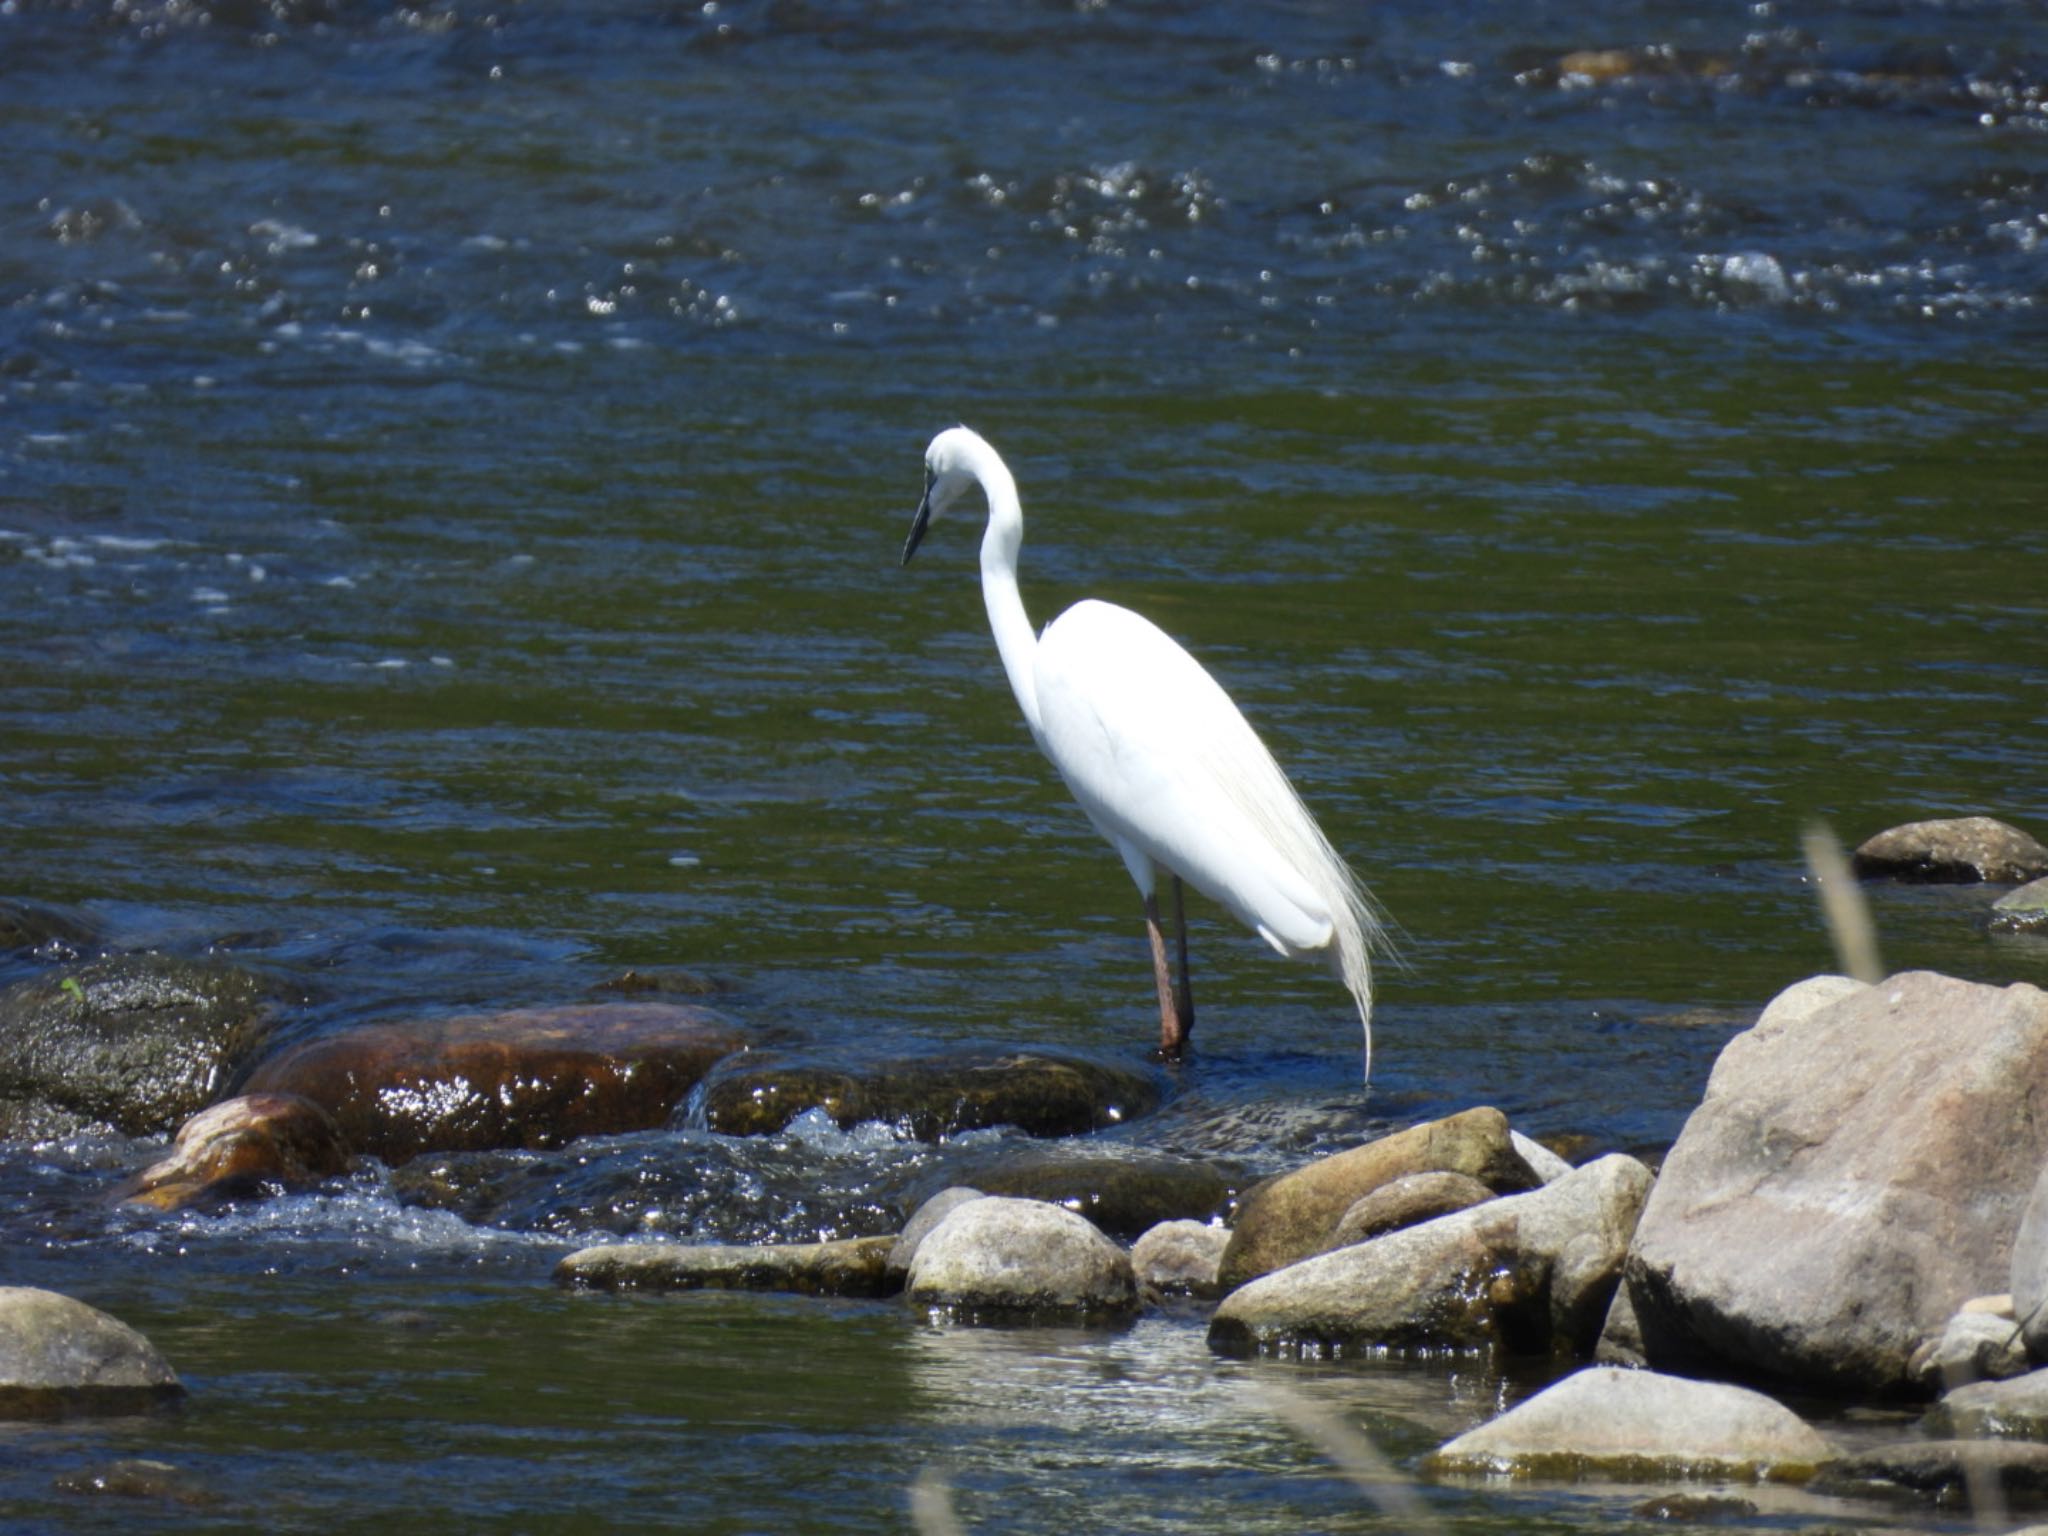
x,y
1161,760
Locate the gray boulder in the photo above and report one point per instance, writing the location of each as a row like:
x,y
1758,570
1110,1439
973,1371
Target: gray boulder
x,y
1974,1346
1544,1163
1525,1274
59,1356
922,1220
139,1042
1002,1260
854,1266
1855,1173
1960,849
1180,1258
1637,1426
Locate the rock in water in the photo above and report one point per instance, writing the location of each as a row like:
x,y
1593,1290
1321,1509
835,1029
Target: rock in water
x,y
1001,1260
1292,1216
1856,1172
1524,1274
853,1266
140,1042
922,1220
1637,1426
2014,1410
1180,1258
533,1077
59,1356
237,1148
1042,1093
1964,849
2013,1473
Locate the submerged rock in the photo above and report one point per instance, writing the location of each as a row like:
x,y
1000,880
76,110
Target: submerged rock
x,y
854,1266
1637,1426
1294,1215
1000,1260
139,1042
2004,1474
1180,1258
1959,850
239,1147
51,932
1042,1093
1856,1172
59,1357
137,1478
532,1077
1525,1274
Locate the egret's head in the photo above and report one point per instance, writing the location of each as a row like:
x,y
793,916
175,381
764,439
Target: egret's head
x,y
951,466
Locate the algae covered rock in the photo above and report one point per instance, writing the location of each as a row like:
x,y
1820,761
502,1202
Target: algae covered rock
x,y
530,1077
59,1357
139,1042
1616,1425
1042,1093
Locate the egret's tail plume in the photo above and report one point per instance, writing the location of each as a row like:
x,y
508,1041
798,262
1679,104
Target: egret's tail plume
x,y
1358,933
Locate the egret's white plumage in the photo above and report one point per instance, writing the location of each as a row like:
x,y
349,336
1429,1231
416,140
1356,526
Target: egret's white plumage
x,y
1159,757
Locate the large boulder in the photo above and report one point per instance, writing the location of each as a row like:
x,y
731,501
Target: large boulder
x,y
1855,1173
1042,1093
853,1266
1638,1426
139,1042
1296,1214
1524,1274
1958,850
999,1260
533,1077
242,1147
59,1356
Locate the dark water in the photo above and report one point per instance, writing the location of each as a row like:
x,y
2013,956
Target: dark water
x,y
452,467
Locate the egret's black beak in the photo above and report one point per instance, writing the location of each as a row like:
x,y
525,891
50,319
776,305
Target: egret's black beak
x,y
922,521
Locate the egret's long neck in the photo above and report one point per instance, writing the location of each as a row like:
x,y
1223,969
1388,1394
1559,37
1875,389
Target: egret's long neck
x,y
999,546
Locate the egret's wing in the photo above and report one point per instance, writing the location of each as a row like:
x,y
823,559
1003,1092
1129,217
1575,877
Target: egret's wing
x,y
1162,760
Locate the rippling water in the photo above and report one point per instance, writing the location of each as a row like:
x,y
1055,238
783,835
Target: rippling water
x,y
452,466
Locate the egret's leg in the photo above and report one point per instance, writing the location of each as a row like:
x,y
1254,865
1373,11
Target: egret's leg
x,y
1172,1036
1184,996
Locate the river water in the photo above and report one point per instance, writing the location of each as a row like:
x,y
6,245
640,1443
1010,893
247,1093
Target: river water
x,y
453,464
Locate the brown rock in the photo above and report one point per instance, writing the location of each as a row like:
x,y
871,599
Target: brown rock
x,y
1856,1172
1955,851
534,1078
239,1146
1292,1216
1413,1198
853,1266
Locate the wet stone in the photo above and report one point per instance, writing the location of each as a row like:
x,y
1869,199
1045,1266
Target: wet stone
x,y
532,1078
1041,1093
2022,911
1946,1472
30,927
138,1042
239,1148
854,1266
1957,850
137,1478
60,1357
